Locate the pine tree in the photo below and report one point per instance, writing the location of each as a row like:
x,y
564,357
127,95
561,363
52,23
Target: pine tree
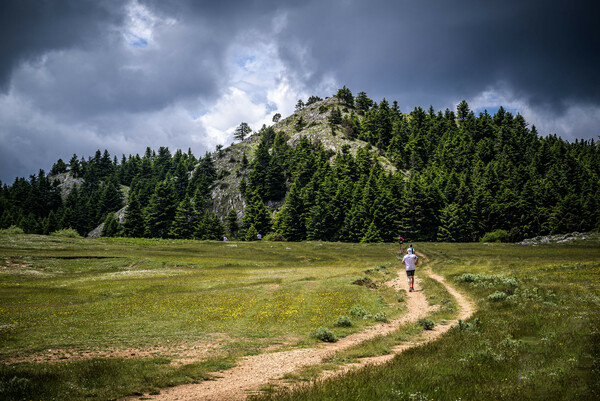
x,y
212,227
184,221
242,131
75,166
161,210
50,224
257,215
372,234
290,220
251,234
275,180
111,227
111,199
134,224
232,223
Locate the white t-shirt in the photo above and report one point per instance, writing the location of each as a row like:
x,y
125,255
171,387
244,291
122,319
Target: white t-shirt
x,y
409,260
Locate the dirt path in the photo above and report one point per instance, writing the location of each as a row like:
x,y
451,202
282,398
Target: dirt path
x,y
254,372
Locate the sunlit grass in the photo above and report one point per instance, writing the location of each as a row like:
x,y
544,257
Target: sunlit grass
x,y
539,342
68,296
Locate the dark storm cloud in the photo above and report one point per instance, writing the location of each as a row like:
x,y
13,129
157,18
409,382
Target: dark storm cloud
x,y
29,28
545,51
77,75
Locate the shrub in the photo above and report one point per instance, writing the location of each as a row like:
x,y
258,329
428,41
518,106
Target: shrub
x,y
273,237
468,278
251,234
324,334
469,326
67,233
497,296
426,324
322,109
12,230
343,321
481,279
495,236
358,311
380,317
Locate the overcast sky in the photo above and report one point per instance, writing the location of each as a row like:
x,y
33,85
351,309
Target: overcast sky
x,y
78,75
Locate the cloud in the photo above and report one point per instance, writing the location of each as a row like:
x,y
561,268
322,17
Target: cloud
x,y
81,75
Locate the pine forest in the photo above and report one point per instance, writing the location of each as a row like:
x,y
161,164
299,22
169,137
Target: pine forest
x,y
345,168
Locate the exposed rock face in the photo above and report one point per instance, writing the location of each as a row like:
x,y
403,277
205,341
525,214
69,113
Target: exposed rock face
x,y
119,215
558,239
67,183
226,189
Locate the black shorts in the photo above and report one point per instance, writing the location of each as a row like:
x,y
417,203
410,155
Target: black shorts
x,y
410,273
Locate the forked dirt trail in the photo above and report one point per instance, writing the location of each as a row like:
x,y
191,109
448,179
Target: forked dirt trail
x,y
256,371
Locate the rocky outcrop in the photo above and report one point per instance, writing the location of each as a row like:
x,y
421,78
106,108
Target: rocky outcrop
x,y
554,239
97,232
66,183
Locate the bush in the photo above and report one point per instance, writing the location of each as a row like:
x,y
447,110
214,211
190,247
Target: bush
x,y
324,334
66,232
497,296
481,279
426,324
12,230
380,317
343,321
495,236
273,237
462,326
358,311
251,234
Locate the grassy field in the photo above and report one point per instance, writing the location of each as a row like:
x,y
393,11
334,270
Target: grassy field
x,y
99,319
536,335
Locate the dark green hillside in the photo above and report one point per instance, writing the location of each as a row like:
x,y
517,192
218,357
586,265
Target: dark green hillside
x,y
341,169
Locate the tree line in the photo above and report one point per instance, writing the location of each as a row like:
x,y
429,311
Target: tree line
x,y
457,176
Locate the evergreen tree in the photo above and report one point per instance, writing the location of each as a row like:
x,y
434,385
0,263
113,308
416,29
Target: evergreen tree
x,y
184,221
161,210
111,199
290,220
212,227
335,117
75,166
232,223
111,227
242,131
134,224
345,96
50,223
257,215
275,180
251,234
372,234
58,167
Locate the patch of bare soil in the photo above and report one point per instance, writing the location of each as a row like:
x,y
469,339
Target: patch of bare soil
x,y
179,354
254,372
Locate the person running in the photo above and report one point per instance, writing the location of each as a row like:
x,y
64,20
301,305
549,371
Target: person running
x,y
410,260
400,242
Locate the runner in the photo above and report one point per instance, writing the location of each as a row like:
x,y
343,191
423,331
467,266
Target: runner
x,y
400,242
410,260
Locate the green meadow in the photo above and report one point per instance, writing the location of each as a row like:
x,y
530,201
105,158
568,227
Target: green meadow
x,y
71,309
100,319
535,336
